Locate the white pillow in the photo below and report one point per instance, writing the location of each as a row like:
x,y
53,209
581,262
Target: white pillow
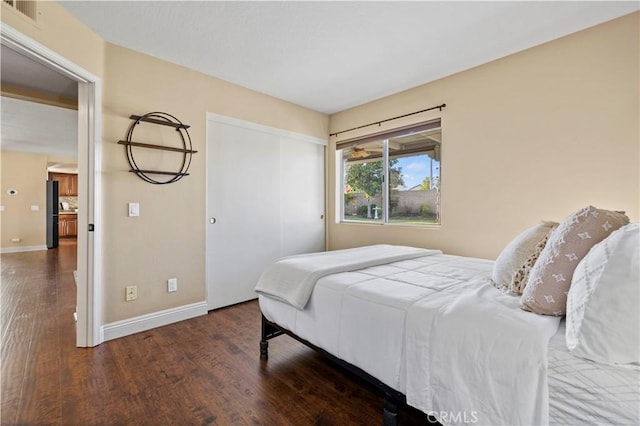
x,y
516,253
603,317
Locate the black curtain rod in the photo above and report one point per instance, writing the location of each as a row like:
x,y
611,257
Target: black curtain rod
x,y
388,119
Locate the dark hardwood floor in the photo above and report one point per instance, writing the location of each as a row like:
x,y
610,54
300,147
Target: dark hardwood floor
x,y
205,370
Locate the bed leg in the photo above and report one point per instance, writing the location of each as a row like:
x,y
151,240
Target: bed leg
x,y
390,413
264,349
264,344
268,332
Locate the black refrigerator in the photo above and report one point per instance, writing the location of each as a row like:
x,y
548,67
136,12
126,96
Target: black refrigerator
x,y
53,204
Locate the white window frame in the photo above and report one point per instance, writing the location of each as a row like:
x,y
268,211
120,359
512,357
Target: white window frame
x,y
385,193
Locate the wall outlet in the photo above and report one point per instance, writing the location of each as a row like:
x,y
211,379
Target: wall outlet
x,y
35,208
172,285
16,240
131,293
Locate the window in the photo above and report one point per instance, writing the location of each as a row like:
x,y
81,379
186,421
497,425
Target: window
x,y
392,177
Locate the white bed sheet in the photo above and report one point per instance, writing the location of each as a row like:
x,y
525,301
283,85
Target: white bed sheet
x,y
350,314
584,392
580,391
478,356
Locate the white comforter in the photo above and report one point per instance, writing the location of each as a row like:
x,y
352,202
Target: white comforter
x,y
483,358
293,278
435,329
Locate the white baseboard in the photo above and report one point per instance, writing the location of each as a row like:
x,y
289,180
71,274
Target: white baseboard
x,y
134,325
21,249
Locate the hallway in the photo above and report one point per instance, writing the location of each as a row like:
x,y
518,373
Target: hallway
x,y
37,297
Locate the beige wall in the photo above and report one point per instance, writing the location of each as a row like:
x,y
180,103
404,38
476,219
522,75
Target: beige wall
x,y
167,240
533,136
26,173
60,32
536,135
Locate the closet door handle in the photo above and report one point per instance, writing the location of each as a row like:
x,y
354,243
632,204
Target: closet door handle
x,y
212,220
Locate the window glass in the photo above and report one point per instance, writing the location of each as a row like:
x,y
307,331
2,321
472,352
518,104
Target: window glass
x,y
364,182
394,179
414,178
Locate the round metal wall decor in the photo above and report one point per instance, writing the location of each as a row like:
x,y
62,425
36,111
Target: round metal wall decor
x,y
185,147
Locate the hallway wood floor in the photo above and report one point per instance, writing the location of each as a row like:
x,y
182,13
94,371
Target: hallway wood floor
x,y
197,372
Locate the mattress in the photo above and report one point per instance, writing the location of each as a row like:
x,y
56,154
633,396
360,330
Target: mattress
x,y
350,313
403,323
585,392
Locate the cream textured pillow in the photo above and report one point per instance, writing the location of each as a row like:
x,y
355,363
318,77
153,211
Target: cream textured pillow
x,y
550,277
516,253
521,276
603,316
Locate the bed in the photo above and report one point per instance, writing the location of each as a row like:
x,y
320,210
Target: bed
x,y
586,392
453,346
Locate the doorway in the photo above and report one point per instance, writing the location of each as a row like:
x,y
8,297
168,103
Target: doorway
x,y
88,332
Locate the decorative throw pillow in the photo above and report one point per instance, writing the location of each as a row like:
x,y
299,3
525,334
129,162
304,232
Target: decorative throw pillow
x,y
519,282
516,253
603,317
550,278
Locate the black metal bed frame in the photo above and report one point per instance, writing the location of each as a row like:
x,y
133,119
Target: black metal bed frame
x,y
393,399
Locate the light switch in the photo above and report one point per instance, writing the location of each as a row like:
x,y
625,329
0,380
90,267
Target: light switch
x,y
134,209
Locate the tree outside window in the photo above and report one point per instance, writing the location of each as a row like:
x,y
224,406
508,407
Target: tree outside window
x,y
412,195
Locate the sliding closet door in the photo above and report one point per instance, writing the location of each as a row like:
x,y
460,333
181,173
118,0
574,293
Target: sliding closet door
x,y
302,197
265,200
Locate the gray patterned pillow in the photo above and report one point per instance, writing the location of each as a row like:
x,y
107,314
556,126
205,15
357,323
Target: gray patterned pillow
x,y
550,278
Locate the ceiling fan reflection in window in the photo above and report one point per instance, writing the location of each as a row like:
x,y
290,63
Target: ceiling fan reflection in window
x,y
424,142
360,152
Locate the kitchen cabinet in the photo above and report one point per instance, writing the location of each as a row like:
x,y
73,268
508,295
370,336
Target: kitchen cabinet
x,y
68,225
68,183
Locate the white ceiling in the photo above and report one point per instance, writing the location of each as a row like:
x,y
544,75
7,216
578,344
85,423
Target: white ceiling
x,y
18,70
37,128
33,127
330,56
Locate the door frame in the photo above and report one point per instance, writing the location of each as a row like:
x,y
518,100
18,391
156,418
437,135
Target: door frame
x,y
89,256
